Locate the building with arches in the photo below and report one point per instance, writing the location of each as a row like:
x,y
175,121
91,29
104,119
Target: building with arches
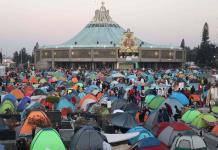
x,y
104,43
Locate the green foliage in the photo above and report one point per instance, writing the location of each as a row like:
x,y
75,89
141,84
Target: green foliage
x,y
182,45
206,53
21,57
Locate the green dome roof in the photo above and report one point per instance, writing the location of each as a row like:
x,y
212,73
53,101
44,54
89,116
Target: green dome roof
x,y
101,32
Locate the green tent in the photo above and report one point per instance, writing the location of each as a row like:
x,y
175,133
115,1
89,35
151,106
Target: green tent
x,y
209,118
7,106
156,102
190,115
43,80
149,98
79,84
215,109
47,139
202,121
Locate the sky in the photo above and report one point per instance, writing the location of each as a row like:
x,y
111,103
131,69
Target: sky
x,y
25,22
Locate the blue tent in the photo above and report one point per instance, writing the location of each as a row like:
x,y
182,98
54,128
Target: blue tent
x,y
10,97
22,103
132,77
91,88
148,142
179,97
64,103
144,133
81,95
31,106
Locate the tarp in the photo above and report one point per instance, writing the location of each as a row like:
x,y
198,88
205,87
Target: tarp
x,y
47,139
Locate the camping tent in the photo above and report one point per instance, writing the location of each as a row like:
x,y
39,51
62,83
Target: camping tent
x,y
87,138
203,120
189,142
144,133
156,102
190,115
47,139
34,119
6,106
215,130
17,93
180,97
169,133
149,98
152,120
11,98
64,103
22,104
150,143
123,120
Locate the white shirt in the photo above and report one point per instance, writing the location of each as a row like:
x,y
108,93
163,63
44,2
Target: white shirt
x,y
214,93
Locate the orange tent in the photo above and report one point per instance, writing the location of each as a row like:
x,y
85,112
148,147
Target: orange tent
x,y
99,95
195,98
65,111
33,80
75,80
215,130
86,100
25,80
34,119
17,93
28,90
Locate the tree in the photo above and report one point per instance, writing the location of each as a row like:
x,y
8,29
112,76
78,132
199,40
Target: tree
x,y
16,57
205,34
22,57
1,58
182,45
206,53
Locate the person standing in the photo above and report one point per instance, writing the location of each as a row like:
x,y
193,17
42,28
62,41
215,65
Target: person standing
x,y
166,117
212,97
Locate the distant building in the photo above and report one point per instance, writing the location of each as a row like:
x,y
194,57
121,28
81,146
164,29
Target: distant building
x,y
103,42
8,62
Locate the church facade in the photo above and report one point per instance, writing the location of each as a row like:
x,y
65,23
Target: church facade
x,y
104,43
